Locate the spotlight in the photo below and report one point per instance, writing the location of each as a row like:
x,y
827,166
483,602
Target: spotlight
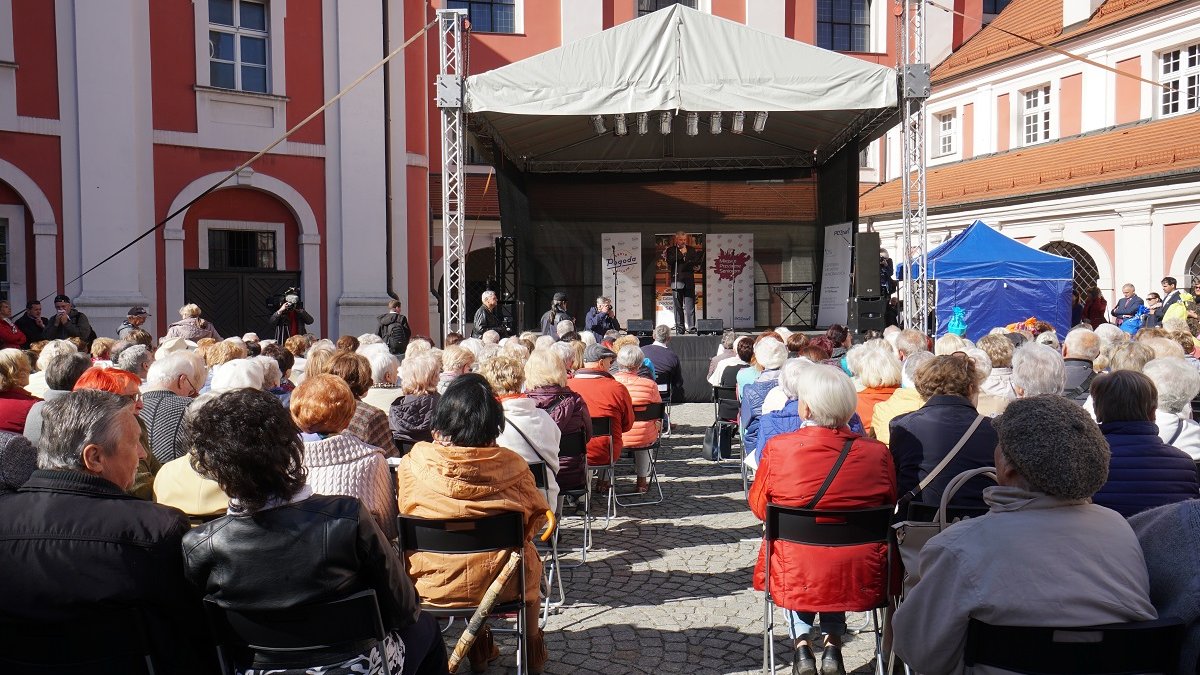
x,y
643,123
664,122
714,123
760,121
598,124
619,127
693,123
739,121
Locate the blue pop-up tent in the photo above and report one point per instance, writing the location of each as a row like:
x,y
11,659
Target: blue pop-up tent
x,y
998,281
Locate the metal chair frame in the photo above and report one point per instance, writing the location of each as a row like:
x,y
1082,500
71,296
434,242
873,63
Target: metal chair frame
x,y
724,394
499,532
647,413
602,426
826,527
573,445
665,392
553,576
309,628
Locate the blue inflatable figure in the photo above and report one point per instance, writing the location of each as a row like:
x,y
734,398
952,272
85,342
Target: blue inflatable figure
x,y
1134,323
958,322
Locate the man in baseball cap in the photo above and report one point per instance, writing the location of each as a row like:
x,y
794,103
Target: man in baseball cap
x,y
605,397
133,321
68,322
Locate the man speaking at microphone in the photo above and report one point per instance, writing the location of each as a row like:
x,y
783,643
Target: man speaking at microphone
x,y
682,263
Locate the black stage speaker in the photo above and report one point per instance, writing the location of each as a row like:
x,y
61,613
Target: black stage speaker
x,y
639,327
867,314
866,265
710,326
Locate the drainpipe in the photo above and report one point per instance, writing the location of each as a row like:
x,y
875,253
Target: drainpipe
x,y
388,221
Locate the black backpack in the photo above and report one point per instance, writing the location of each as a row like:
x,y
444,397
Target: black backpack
x,y
397,335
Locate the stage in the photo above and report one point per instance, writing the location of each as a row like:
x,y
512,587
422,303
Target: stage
x,y
694,352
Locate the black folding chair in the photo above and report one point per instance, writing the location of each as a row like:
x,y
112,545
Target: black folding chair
x,y
102,642
1113,649
648,413
665,392
726,409
573,446
602,426
820,527
500,532
286,637
541,478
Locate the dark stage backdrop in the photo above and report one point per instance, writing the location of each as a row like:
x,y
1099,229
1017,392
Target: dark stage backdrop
x,y
694,352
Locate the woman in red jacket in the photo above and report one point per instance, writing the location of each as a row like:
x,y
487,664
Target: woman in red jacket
x,y
1093,309
11,337
810,579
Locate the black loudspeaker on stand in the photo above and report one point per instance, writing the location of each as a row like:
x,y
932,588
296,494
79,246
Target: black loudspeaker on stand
x,y
640,327
867,314
710,326
866,265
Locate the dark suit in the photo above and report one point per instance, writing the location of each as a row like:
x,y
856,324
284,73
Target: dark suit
x,y
681,273
1126,308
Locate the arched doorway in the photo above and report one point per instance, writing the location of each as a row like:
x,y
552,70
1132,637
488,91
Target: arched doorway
x,y
1193,269
1087,273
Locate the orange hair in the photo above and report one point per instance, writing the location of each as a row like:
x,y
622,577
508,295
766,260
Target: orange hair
x,y
112,380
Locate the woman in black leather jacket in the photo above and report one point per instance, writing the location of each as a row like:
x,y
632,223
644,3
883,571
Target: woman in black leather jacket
x,y
281,546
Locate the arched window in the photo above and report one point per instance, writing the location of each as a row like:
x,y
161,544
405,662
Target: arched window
x,y
1193,269
1086,271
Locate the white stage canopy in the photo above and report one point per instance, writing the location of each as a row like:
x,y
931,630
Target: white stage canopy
x,y
539,111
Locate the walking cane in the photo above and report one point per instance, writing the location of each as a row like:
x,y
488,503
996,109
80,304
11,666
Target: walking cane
x,y
489,600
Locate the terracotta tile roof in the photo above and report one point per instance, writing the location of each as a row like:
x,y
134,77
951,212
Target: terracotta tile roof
x,y
1039,20
1147,149
700,201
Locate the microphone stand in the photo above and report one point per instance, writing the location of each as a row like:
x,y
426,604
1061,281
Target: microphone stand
x,y
615,280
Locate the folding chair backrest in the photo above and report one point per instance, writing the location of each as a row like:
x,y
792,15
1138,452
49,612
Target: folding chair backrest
x,y
601,426
462,535
108,642
314,627
651,412
539,470
1138,647
572,445
729,375
823,527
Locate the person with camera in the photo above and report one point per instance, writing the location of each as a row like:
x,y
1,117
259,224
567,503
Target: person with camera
x,y
290,319
683,261
68,322
601,318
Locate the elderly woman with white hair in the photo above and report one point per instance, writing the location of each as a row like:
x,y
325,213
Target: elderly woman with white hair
x,y
385,379
1178,384
1037,370
830,580
411,414
456,360
771,355
785,418
643,391
878,371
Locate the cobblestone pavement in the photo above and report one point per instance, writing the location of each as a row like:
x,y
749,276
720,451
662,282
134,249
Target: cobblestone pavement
x,y
667,588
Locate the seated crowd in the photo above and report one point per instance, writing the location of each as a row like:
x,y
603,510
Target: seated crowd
x,y
256,475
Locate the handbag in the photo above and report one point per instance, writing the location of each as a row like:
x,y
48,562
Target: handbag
x,y
911,535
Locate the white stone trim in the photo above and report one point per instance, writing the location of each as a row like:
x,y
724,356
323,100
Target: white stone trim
x,y
8,69
203,226
29,191
310,238
1073,235
190,140
14,215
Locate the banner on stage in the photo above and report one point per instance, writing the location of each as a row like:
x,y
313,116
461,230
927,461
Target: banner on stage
x,y
664,306
622,255
835,278
729,271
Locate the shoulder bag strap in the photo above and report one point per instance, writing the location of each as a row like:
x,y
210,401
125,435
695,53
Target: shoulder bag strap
x,y
1178,430
531,444
832,473
949,455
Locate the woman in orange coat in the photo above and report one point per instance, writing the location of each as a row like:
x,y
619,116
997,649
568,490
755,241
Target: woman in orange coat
x,y
810,579
642,390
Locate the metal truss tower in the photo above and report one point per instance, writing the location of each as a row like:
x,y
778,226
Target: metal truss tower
x,y
914,90
449,101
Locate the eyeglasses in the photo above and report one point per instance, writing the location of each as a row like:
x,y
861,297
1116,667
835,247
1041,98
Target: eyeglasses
x,y
132,398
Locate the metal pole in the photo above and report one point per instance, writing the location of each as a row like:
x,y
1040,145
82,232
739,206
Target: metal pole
x,y
449,100
915,88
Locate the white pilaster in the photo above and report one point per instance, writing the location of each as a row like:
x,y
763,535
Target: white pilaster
x,y
45,252
115,180
580,19
1097,85
356,224
399,157
1136,239
769,16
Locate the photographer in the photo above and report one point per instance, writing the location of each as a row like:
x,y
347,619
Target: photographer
x,y
290,319
601,318
68,322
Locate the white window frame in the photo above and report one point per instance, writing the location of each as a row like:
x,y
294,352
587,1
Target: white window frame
x,y
8,69
945,133
518,19
276,71
278,228
237,31
1041,114
1178,70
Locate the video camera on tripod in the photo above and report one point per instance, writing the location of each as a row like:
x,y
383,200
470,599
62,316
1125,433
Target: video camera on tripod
x,y
290,297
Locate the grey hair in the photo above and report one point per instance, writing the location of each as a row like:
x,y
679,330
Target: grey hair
x,y
1177,382
134,359
770,353
74,421
490,337
170,367
53,350
603,300
566,354
1038,369
384,366
418,374
908,374
563,327
64,371
369,339
910,342
486,295
662,333
828,394
1111,334
790,374
727,339
1082,343
543,342
877,366
630,358
1163,347
982,362
271,372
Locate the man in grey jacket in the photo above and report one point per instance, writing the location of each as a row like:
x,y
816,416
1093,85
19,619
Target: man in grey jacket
x,y
1043,556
